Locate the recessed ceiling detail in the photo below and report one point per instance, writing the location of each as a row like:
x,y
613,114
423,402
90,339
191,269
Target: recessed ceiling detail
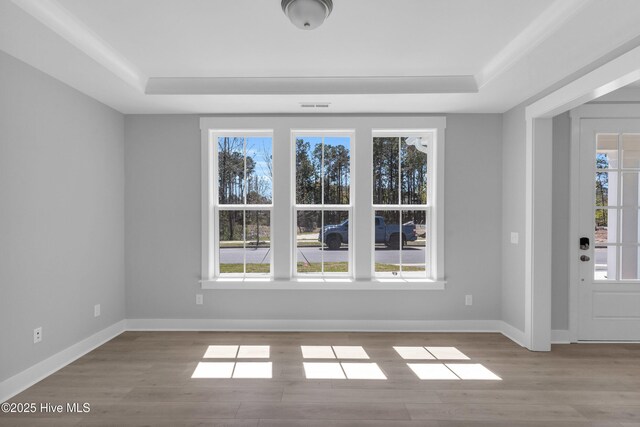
x,y
243,57
310,85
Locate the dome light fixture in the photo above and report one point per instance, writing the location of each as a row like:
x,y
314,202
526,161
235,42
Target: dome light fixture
x,y
307,14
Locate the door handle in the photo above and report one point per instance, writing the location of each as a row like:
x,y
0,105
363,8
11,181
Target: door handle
x,y
584,258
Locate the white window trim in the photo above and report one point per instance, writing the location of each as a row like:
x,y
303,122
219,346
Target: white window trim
x,y
434,208
211,207
363,126
295,133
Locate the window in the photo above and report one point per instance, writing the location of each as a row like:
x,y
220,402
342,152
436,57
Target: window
x,y
617,207
242,203
402,201
323,202
322,206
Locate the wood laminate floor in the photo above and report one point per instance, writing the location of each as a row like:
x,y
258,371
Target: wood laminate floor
x,y
145,378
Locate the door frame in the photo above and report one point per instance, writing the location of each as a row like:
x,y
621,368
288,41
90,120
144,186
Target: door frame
x,y
611,76
589,111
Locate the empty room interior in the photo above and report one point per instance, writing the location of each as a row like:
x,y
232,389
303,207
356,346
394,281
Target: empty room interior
x,y
278,213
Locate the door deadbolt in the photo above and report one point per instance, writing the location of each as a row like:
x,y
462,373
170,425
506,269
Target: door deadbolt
x,y
584,258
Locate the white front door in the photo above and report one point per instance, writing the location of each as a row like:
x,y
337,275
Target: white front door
x,y
609,288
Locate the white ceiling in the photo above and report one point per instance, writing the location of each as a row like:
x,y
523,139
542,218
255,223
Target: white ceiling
x,y
513,48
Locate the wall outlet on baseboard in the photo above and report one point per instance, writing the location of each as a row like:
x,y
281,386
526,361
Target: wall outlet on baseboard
x,y
96,310
468,300
514,237
37,335
199,299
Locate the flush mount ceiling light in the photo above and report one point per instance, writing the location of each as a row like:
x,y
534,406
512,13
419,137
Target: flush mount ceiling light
x,y
307,14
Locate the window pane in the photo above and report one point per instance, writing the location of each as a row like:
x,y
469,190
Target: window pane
x,y
336,240
258,241
336,170
606,220
607,151
630,231
387,247
605,263
259,170
308,247
630,189
386,173
231,170
309,170
630,264
631,150
413,157
605,185
414,253
231,229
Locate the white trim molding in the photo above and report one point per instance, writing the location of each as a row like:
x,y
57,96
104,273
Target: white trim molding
x,y
561,336
62,22
613,75
314,325
25,379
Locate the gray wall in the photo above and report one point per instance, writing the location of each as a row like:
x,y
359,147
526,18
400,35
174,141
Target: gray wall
x,y
61,215
513,216
560,225
162,204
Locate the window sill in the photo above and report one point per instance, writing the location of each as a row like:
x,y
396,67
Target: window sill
x,y
375,284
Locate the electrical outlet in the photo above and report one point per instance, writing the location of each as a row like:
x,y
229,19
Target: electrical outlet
x,y
37,335
199,299
96,310
514,237
468,300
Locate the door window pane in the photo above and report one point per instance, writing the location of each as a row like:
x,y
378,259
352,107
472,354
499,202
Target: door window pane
x,y
309,242
386,170
607,151
604,233
259,170
387,246
231,170
336,170
605,262
630,227
630,264
258,241
630,189
605,186
631,150
309,170
231,252
413,159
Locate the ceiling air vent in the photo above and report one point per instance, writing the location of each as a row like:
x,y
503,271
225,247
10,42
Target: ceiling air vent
x,y
315,104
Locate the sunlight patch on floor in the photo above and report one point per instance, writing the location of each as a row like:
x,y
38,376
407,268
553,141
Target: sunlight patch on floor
x,y
323,371
254,352
350,352
432,371
317,352
221,352
213,370
472,371
447,353
414,353
363,371
255,370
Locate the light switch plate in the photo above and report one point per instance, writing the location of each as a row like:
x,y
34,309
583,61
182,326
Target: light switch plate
x,y
514,237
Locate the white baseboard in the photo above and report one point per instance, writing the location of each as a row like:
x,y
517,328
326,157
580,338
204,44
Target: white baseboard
x,y
25,379
560,336
513,333
296,325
